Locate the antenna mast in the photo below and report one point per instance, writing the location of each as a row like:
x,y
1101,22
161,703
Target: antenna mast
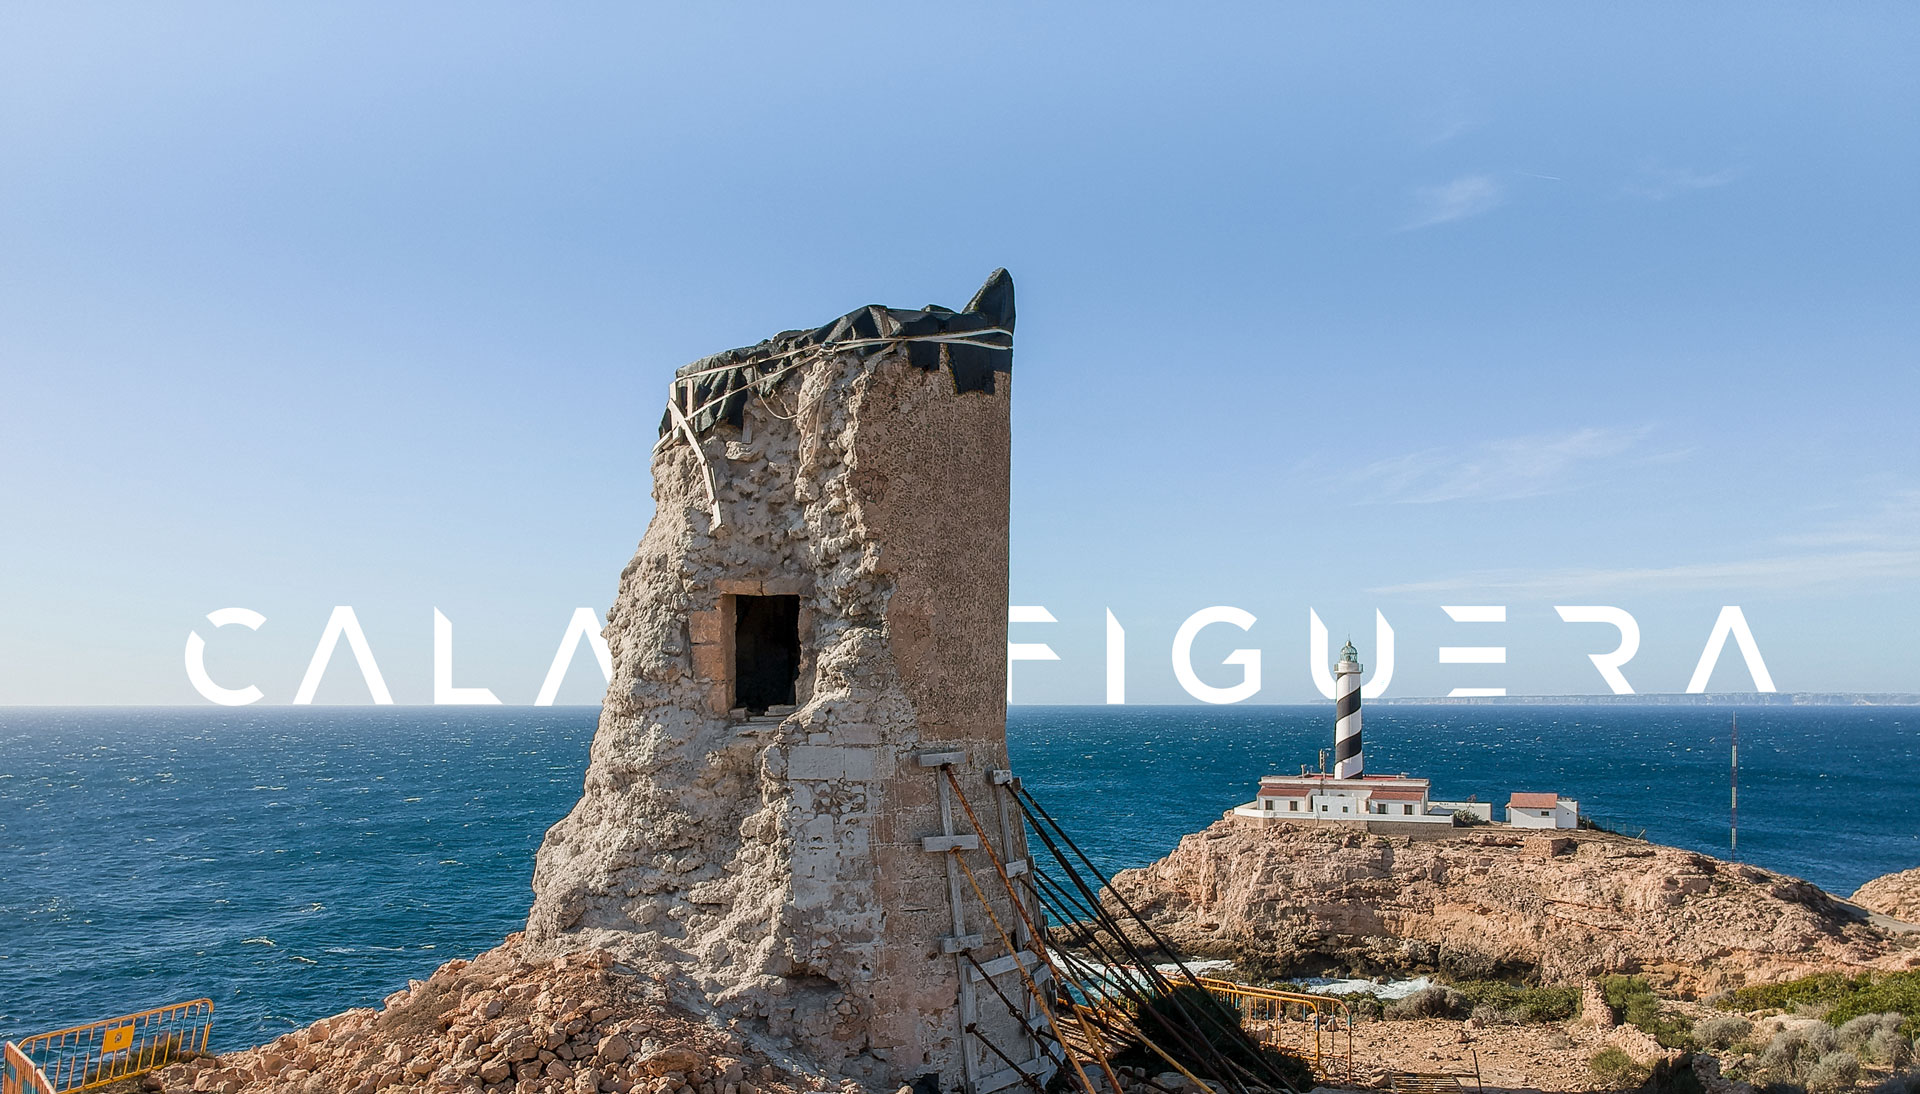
x,y
1735,787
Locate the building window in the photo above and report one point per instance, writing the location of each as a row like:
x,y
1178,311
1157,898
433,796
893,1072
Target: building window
x,y
1343,809
766,651
1294,806
1268,805
1407,809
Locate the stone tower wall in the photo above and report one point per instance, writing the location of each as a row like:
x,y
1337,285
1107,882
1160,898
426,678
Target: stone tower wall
x,y
775,867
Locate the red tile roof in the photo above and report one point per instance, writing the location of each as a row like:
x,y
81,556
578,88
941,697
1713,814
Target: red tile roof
x,y
1284,791
1533,801
1395,794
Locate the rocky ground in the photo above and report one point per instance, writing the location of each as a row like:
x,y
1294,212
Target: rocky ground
x,y
504,1022
1297,899
1896,895
1305,899
1546,1057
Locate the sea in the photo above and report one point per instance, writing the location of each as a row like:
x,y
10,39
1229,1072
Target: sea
x,y
291,863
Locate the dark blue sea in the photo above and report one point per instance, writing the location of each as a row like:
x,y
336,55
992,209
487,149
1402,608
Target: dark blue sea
x,y
291,863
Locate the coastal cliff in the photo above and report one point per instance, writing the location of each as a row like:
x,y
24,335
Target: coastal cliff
x,y
1298,900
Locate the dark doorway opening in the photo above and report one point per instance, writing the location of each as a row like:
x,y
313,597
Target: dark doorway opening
x,y
766,651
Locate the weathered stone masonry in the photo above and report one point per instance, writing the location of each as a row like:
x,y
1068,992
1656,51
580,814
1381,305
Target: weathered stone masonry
x,y
775,865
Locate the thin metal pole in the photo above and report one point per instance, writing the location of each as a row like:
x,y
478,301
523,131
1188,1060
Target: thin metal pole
x,y
1735,803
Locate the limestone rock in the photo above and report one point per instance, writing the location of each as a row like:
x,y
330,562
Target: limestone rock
x,y
1299,899
1893,895
445,1035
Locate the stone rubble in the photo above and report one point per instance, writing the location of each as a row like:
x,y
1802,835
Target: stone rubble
x,y
508,1022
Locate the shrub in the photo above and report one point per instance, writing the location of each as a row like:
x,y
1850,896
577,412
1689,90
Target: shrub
x,y
1792,1054
1842,997
1362,1004
1616,1069
1820,987
1833,1073
1888,1047
1522,1002
1489,1015
1721,1032
1856,1033
1436,1001
1619,989
1633,1002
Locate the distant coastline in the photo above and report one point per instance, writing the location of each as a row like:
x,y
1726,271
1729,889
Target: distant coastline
x,y
1672,699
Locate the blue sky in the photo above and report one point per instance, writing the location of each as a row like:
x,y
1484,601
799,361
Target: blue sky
x,y
1332,307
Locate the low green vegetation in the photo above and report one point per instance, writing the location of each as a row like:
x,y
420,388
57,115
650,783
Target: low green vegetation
x,y
1517,1003
1494,1002
1837,997
1617,1070
1633,1002
1813,1057
1720,1033
1433,1001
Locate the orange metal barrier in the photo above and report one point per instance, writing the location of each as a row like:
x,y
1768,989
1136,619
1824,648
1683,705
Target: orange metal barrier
x,y
19,1076
1266,1012
85,1057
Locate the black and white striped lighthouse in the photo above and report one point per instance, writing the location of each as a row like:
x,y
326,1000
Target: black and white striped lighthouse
x,y
1347,759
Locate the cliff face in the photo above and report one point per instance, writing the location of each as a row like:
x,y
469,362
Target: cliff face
x,y
1896,895
1301,899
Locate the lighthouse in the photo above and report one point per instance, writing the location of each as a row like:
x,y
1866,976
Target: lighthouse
x,y
1347,760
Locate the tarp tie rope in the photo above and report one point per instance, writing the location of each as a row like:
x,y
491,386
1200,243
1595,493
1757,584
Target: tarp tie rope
x,y
764,386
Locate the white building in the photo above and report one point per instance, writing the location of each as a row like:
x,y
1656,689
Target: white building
x,y
1542,811
1315,797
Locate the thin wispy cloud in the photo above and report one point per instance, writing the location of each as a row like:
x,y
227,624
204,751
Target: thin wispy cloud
x,y
1777,572
1657,182
1452,118
1499,470
1464,197
1876,548
1894,523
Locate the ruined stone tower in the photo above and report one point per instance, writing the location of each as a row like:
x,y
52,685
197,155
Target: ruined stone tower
x,y
811,636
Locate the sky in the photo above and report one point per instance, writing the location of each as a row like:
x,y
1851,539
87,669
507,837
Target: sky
x,y
1346,309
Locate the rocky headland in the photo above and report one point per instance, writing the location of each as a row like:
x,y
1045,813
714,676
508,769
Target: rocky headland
x,y
1283,900
1301,899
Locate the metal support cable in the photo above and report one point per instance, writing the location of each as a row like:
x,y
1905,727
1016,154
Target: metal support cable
x,y
1033,987
1083,898
974,1028
1037,936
